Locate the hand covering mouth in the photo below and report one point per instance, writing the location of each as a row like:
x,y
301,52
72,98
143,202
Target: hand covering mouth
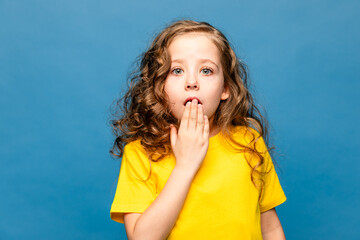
x,y
189,99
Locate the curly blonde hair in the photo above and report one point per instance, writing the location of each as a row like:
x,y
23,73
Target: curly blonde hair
x,y
143,112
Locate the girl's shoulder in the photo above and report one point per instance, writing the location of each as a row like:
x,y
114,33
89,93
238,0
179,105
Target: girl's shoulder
x,y
135,147
244,134
136,160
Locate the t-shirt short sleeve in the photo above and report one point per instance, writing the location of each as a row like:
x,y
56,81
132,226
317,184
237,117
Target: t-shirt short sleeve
x,y
272,194
135,189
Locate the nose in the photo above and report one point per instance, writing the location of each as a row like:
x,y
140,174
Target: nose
x,y
191,84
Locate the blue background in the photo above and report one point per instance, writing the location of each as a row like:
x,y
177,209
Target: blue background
x,y
63,62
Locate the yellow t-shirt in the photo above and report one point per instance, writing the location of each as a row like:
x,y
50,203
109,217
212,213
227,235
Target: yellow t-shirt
x,y
222,202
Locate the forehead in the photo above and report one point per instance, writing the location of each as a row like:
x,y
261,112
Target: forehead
x,y
194,45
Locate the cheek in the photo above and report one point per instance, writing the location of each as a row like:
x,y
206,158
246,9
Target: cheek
x,y
172,92
168,86
168,92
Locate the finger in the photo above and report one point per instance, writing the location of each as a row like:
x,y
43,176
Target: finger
x,y
200,119
185,117
173,135
193,114
206,128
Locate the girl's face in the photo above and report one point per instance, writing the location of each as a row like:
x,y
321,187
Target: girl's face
x,y
195,72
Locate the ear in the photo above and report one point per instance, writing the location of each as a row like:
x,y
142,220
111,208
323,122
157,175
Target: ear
x,y
226,93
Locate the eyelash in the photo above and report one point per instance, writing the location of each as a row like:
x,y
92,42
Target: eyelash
x,y
205,68
172,71
209,69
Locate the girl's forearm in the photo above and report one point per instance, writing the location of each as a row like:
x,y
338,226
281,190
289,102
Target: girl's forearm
x,y
270,226
159,218
275,234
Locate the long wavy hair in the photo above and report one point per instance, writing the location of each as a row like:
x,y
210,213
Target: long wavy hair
x,y
143,113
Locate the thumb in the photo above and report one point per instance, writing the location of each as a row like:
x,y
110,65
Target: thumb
x,y
173,135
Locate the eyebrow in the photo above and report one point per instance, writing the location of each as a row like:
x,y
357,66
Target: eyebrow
x,y
201,60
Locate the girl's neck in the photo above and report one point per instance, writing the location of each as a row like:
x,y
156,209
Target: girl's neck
x,y
213,131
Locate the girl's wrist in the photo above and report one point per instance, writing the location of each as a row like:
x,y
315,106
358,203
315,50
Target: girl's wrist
x,y
185,171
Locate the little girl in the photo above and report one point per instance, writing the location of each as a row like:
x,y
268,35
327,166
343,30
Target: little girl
x,y
194,161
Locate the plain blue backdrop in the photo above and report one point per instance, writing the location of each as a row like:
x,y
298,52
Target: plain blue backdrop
x,y
63,62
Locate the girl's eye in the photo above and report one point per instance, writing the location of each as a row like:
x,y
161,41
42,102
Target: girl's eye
x,y
177,71
207,71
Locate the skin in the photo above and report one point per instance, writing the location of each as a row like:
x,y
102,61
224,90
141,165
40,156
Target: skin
x,y
190,76
190,143
195,71
271,228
